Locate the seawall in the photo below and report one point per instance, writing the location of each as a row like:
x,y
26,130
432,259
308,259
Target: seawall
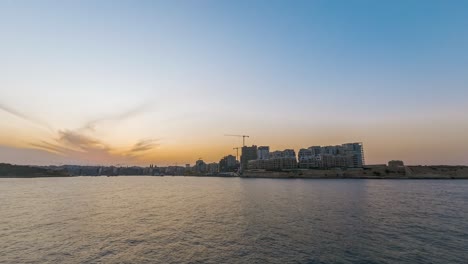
x,y
370,172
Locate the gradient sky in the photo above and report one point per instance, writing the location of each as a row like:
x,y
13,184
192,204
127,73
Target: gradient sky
x,y
139,82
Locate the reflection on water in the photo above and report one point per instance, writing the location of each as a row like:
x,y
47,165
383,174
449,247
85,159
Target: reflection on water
x,y
232,220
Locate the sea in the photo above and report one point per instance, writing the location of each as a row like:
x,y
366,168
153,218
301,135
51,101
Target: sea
x,y
176,219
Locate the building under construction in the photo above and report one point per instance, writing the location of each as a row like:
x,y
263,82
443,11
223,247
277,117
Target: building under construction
x,y
248,153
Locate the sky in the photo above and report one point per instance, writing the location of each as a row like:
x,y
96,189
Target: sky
x,y
162,82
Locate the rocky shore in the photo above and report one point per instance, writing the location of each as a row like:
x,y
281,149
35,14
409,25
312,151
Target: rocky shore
x,y
368,172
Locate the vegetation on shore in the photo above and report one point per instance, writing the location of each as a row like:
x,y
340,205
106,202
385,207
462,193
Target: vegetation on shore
x,y
20,171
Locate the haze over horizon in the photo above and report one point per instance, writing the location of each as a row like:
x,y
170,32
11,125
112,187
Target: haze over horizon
x,y
161,82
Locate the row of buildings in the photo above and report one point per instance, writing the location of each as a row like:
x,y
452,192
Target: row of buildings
x,y
345,155
349,155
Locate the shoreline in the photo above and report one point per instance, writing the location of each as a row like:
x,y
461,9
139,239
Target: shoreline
x,y
378,172
369,172
258,177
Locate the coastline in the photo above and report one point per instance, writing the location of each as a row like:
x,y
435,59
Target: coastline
x,y
369,172
442,172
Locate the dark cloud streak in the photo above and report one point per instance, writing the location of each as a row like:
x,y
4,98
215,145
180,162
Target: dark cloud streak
x,y
23,116
144,145
118,117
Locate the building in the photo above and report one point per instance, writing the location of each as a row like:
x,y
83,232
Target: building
x,y
175,170
346,155
212,168
396,164
276,154
263,152
200,166
228,164
248,153
357,151
273,164
316,150
306,154
287,153
308,160
336,161
278,160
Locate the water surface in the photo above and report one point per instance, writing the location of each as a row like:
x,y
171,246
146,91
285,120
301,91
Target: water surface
x,y
232,220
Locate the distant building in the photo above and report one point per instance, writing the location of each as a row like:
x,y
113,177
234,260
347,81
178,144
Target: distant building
x,y
346,155
357,151
200,166
396,164
287,153
263,153
248,153
305,154
228,164
307,159
212,167
273,164
175,170
278,160
316,150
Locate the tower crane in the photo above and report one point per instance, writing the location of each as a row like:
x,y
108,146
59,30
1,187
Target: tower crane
x,y
242,136
237,152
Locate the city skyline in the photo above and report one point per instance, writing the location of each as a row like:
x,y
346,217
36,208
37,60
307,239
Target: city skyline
x,y
119,82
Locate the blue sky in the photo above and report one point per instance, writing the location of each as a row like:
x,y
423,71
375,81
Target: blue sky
x,y
391,74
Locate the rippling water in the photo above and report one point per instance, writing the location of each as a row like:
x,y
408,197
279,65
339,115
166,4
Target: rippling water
x,y
232,220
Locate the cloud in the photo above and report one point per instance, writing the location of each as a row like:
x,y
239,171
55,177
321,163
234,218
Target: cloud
x,y
90,125
83,148
144,145
80,141
80,146
46,146
23,116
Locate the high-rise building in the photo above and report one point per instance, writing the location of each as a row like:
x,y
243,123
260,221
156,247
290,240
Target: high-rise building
x,y
263,153
306,153
248,153
228,164
356,150
200,166
277,160
212,167
316,150
346,155
287,153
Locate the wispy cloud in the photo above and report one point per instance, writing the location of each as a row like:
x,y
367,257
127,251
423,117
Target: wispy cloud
x,y
144,145
80,141
24,116
82,147
91,125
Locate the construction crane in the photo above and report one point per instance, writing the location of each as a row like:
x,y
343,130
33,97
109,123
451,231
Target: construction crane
x,y
237,152
242,136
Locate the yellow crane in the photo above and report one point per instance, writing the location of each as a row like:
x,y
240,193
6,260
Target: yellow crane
x,y
242,136
237,152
